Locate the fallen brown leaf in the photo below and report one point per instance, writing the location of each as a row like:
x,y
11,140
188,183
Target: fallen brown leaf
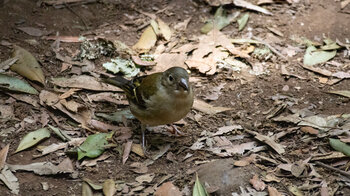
x,y
272,178
164,29
139,168
184,48
273,191
168,189
126,152
182,26
25,98
147,40
109,187
224,147
32,31
10,180
3,155
66,166
71,105
27,65
145,178
83,115
93,162
257,183
69,93
44,118
84,82
167,60
116,98
309,130
207,108
245,161
137,149
57,146
269,141
101,126
227,129
41,168
86,189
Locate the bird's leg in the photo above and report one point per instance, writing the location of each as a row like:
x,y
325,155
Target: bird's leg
x,y
143,142
177,132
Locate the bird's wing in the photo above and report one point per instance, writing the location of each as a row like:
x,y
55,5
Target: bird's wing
x,y
130,87
122,83
145,87
139,89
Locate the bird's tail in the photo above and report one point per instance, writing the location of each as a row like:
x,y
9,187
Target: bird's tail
x,y
120,82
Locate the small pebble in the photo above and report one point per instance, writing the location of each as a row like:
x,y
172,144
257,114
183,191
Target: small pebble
x,y
45,186
285,88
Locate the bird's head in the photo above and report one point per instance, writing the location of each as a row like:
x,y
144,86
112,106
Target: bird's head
x,y
176,79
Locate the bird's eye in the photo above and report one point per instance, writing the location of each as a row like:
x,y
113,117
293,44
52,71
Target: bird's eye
x,y
171,78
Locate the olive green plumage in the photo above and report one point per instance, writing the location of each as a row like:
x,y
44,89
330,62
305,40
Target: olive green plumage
x,y
159,98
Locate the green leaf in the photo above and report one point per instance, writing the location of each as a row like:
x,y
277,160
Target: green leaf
x,y
33,138
92,184
242,21
341,92
220,21
198,189
261,52
313,57
15,84
93,146
27,65
340,146
330,45
62,134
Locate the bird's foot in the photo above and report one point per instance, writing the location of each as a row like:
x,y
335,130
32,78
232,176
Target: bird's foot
x,y
146,153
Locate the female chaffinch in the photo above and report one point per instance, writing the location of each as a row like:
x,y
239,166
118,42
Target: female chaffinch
x,y
159,98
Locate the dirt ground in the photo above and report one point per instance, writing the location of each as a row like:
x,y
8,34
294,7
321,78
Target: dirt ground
x,y
251,99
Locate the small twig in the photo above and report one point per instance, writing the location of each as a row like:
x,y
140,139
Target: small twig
x,y
271,48
347,174
81,18
143,26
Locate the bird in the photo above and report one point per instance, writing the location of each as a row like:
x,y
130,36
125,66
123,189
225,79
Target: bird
x,y
157,99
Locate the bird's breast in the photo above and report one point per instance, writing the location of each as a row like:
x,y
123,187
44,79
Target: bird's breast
x,y
163,109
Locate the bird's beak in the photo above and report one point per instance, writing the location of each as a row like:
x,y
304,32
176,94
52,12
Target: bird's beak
x,y
183,83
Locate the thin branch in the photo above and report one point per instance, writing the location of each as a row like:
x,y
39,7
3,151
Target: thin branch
x,y
347,174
